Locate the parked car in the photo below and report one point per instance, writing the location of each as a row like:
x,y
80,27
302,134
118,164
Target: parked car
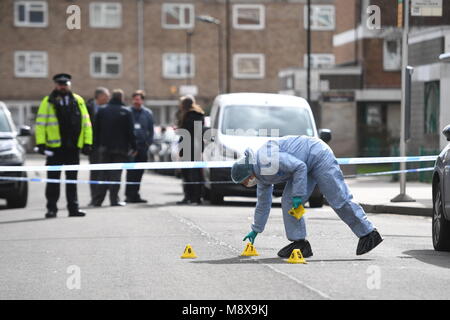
x,y
12,153
245,120
441,199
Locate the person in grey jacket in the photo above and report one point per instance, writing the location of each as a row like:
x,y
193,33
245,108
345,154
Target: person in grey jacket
x,y
143,130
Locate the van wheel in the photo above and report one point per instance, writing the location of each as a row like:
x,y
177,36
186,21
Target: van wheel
x,y
441,227
316,202
215,197
20,197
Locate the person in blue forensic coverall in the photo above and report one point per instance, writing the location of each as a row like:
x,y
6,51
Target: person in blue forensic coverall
x,y
302,163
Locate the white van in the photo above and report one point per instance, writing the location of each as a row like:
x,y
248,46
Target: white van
x,y
248,120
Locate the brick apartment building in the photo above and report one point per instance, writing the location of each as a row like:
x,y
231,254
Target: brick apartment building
x,y
155,45
359,97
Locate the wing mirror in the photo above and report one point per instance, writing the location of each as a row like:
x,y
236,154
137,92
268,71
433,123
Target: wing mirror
x,y
325,135
25,131
446,132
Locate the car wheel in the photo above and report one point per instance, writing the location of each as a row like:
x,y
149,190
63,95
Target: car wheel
x,y
441,227
316,202
20,197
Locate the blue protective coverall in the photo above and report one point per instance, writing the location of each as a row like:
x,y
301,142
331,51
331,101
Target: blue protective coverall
x,y
303,162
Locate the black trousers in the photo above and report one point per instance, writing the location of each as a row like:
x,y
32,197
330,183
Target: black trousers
x,y
109,175
52,190
94,175
192,191
132,190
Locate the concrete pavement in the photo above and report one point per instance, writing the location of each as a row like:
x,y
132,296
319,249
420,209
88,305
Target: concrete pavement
x,y
375,194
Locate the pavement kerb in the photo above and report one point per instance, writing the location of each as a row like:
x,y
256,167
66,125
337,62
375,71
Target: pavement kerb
x,y
401,210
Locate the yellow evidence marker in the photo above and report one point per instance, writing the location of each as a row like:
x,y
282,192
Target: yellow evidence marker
x,y
297,213
188,253
296,257
249,251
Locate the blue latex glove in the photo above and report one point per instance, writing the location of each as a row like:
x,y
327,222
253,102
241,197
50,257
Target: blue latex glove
x,y
296,202
251,236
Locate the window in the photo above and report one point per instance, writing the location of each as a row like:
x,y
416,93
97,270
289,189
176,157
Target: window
x,y
178,65
105,15
322,17
31,64
249,17
106,65
392,59
30,14
432,106
177,16
319,60
249,66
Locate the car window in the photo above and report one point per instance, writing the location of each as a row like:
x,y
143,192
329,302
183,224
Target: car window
x,y
4,123
252,119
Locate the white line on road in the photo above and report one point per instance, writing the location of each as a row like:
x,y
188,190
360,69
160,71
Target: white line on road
x,y
224,244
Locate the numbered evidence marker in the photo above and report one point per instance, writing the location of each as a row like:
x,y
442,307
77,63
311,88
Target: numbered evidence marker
x,y
297,213
249,251
296,257
188,253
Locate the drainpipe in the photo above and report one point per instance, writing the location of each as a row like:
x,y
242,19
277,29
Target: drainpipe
x,y
141,50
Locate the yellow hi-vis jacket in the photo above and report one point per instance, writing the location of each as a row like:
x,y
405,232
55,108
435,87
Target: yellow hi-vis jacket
x,y
47,126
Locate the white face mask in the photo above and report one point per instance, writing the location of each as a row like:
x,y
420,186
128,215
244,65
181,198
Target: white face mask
x,y
251,182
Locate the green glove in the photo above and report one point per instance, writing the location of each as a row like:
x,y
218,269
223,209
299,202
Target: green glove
x,y
296,202
251,236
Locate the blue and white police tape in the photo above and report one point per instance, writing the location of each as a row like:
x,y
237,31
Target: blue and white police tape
x,y
194,164
388,173
44,180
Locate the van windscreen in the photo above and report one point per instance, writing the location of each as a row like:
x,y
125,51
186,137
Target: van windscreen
x,y
261,120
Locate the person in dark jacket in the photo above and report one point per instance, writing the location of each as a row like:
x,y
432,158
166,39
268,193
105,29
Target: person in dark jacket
x,y
115,140
143,129
192,119
101,98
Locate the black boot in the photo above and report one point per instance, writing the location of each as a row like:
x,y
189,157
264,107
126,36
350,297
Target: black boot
x,y
50,215
303,245
77,213
369,242
184,201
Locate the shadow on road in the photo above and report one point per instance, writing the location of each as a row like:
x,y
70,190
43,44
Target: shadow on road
x,y
23,221
205,204
245,260
439,259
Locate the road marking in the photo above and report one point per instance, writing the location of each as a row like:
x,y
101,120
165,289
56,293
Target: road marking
x,y
204,233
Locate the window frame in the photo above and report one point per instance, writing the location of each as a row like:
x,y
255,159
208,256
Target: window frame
x,y
167,75
329,55
94,24
386,66
238,75
262,16
313,12
27,23
103,74
183,25
27,73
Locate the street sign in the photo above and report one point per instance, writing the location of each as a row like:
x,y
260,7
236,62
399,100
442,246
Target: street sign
x,y
426,8
188,90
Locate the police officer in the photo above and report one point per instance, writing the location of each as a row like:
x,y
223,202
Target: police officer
x,y
63,127
143,129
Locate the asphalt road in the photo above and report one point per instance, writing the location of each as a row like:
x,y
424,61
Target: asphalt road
x,y
134,253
